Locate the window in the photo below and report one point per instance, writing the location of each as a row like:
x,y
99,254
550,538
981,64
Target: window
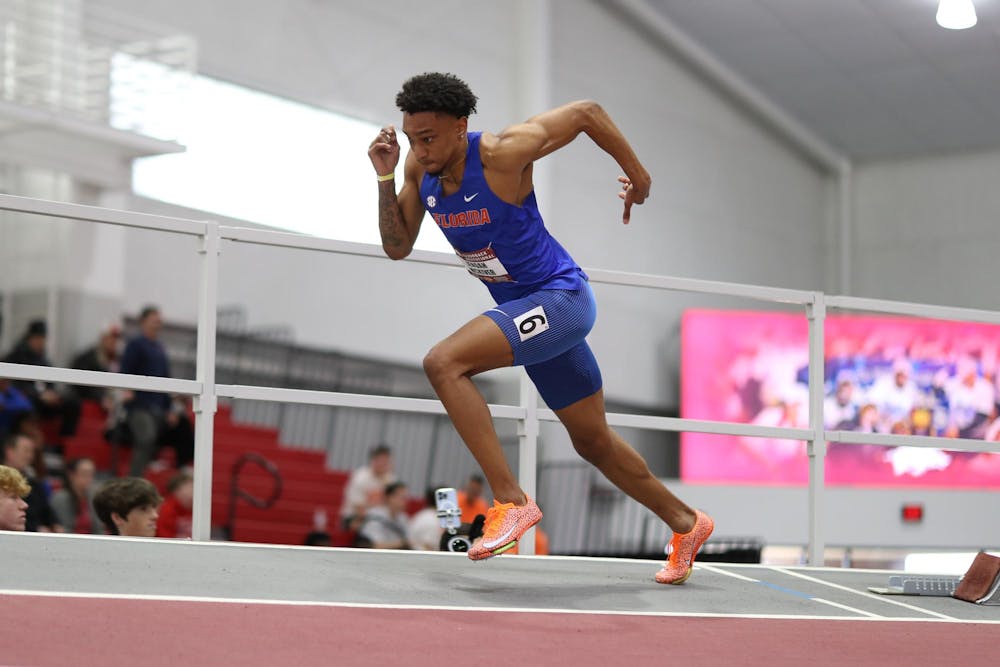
x,y
268,160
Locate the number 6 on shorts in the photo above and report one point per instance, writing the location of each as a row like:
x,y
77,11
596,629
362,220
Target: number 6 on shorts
x,y
531,323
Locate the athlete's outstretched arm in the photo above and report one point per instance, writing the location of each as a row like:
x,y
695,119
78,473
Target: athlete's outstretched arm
x,y
399,215
549,131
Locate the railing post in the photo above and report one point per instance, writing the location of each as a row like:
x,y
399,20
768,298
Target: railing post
x,y
816,314
205,403
527,453
532,63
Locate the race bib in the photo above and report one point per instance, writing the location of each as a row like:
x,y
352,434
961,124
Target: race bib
x,y
485,265
531,323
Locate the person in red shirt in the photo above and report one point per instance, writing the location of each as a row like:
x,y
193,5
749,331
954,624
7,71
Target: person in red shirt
x,y
175,512
470,499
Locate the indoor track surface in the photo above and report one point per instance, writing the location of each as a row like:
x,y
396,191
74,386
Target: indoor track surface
x,y
70,600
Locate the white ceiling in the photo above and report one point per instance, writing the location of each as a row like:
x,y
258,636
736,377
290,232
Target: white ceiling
x,y
876,79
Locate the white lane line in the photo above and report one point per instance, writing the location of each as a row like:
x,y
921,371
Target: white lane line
x,y
425,607
864,594
719,570
844,607
419,607
851,609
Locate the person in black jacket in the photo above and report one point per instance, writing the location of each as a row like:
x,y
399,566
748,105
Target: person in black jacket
x,y
154,418
18,452
46,399
104,356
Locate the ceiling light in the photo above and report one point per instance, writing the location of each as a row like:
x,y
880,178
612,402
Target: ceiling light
x,y
956,14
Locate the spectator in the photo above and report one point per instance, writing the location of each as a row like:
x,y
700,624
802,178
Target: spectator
x,y
785,410
366,486
104,356
47,402
970,401
895,396
153,418
18,453
385,526
13,508
471,500
541,542
14,407
424,529
868,418
901,428
128,506
176,516
318,538
30,426
840,411
73,504
922,421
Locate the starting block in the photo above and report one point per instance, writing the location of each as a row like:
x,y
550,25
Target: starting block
x,y
919,584
980,585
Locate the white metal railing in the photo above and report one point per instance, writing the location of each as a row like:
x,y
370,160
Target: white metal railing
x,y
89,61
527,413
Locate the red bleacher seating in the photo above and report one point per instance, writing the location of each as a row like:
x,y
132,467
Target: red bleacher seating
x,y
89,440
307,485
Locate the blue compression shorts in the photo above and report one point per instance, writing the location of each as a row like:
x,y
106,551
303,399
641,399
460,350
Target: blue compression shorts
x,y
547,331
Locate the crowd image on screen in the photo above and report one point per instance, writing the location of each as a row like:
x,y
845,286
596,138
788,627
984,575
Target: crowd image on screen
x,y
914,396
953,393
929,388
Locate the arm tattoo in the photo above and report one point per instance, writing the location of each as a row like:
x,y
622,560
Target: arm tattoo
x,y
390,220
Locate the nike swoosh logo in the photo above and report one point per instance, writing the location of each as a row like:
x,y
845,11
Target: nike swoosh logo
x,y
468,199
500,541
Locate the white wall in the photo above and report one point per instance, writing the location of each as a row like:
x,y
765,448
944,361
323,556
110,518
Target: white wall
x,y
47,263
729,201
853,516
342,55
927,230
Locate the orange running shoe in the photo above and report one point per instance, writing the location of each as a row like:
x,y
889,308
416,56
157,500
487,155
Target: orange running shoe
x,y
682,550
505,524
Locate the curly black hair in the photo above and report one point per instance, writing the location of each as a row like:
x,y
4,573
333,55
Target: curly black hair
x,y
433,91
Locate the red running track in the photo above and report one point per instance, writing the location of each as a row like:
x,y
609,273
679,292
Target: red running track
x,y
37,630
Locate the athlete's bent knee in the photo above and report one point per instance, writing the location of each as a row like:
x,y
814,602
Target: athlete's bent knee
x,y
438,364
